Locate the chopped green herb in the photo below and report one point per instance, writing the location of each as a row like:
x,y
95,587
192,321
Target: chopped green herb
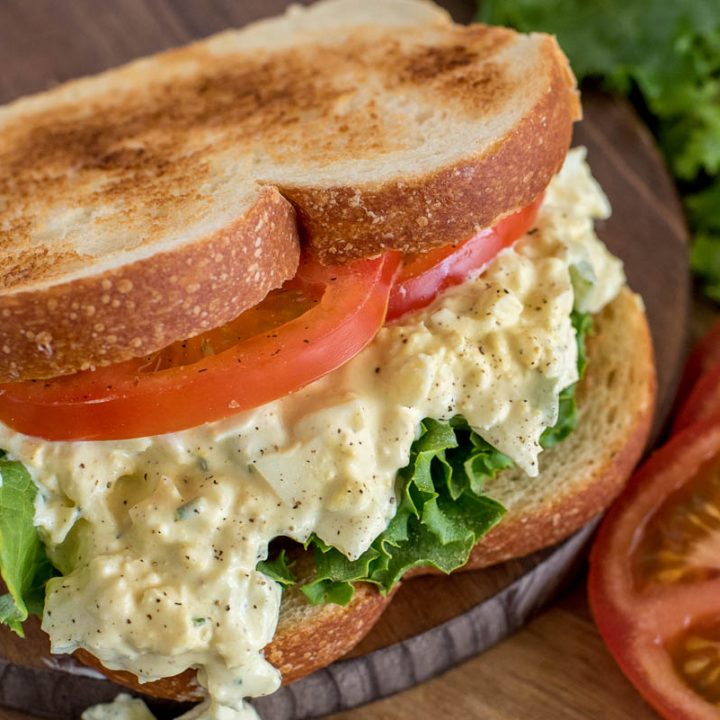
x,y
188,509
203,464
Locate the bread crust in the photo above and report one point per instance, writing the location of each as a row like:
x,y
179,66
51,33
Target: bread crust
x,y
109,185
295,649
142,307
524,534
451,204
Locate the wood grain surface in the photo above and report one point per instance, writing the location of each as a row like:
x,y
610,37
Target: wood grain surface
x,y
556,667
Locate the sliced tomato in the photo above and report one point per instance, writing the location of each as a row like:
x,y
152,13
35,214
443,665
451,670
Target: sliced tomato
x,y
703,357
318,322
655,576
424,275
702,402
699,392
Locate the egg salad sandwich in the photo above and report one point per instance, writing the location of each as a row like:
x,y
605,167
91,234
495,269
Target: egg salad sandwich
x,y
285,314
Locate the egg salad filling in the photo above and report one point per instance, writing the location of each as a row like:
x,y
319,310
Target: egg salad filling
x,y
161,543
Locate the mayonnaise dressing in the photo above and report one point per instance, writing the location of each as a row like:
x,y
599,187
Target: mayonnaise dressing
x,y
158,538
123,707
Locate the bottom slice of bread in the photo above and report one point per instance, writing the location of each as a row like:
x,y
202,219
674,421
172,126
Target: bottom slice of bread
x,y
578,479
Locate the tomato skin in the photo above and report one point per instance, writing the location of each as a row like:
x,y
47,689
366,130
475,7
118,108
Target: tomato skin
x,y
422,277
699,392
702,402
703,357
181,388
636,623
120,401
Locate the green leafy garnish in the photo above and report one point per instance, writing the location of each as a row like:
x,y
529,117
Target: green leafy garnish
x,y
278,569
443,510
441,515
665,56
23,563
704,211
323,592
189,508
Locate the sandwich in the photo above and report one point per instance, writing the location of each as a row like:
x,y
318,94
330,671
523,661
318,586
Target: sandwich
x,y
287,315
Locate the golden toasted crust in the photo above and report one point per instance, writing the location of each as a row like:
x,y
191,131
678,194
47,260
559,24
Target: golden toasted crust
x,y
449,204
381,137
578,479
296,649
182,687
138,308
307,638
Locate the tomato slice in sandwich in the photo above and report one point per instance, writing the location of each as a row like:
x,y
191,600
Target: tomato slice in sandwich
x,y
314,324
424,275
655,576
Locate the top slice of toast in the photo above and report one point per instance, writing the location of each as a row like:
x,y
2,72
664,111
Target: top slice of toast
x,y
156,201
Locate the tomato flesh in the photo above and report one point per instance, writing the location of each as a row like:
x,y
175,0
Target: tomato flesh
x,y
341,310
681,543
277,309
696,658
654,574
655,565
699,392
425,275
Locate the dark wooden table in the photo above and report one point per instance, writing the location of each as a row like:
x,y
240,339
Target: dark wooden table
x,y
556,667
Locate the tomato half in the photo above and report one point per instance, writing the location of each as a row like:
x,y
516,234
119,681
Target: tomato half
x,y
322,318
703,357
655,576
700,385
703,400
424,275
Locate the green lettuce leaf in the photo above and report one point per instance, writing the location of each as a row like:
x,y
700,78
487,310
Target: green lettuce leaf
x,y
278,569
665,56
24,566
567,412
442,511
323,592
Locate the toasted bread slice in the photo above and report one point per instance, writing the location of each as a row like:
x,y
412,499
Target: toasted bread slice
x,y
307,638
578,479
150,203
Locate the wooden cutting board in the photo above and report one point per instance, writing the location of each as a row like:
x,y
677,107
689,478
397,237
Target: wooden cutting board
x,y
433,623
